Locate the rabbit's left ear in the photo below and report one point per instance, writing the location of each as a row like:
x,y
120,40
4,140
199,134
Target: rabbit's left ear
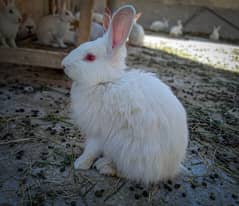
x,y
120,27
63,5
137,16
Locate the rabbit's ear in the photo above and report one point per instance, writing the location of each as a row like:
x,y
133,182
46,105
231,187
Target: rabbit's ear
x,y
120,27
218,28
59,6
137,16
63,5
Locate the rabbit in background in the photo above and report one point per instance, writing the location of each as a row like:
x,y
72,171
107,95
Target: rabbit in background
x,y
27,27
52,28
129,116
10,19
215,35
97,31
136,36
177,30
160,25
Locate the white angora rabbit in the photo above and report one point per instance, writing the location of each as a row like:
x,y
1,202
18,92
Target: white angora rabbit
x,y
129,116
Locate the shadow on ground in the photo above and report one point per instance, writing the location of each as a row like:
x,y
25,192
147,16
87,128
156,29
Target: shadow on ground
x,y
38,143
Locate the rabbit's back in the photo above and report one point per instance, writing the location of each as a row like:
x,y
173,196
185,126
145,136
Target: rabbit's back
x,y
51,26
142,124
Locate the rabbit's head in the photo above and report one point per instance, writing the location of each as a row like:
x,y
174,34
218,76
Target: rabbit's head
x,y
65,15
102,60
28,25
11,13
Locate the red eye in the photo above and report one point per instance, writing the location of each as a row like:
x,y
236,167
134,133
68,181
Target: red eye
x,y
90,57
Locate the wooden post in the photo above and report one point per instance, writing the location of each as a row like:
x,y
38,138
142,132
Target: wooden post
x,y
83,32
32,57
111,4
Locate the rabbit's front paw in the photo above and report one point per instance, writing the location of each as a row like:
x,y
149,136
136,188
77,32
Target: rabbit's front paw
x,y
83,163
105,167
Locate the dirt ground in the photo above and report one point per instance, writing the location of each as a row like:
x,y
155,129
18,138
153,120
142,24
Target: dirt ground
x,y
39,143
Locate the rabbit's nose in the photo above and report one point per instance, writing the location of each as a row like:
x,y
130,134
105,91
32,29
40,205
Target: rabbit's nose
x,y
19,20
29,27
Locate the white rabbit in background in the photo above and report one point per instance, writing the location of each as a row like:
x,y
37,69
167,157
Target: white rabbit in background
x,y
177,30
215,35
27,27
136,36
130,117
10,19
160,25
52,28
97,31
97,17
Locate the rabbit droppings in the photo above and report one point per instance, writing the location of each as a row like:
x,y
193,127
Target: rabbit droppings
x,y
10,19
129,116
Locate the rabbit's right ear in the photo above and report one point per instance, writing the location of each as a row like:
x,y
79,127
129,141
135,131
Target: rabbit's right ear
x,y
120,27
60,6
137,16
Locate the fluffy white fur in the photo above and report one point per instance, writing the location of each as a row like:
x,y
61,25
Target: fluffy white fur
x,y
215,35
177,30
51,29
129,116
159,25
136,36
10,19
